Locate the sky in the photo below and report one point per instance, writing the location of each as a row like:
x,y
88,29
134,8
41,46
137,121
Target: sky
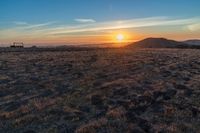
x,y
97,21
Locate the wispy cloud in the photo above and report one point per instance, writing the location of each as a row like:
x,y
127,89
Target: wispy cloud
x,y
194,27
25,30
33,26
124,24
81,20
53,29
20,23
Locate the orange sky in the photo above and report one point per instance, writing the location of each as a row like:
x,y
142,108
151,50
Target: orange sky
x,y
102,32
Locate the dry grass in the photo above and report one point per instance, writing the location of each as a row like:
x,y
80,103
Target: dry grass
x,y
92,126
117,113
100,90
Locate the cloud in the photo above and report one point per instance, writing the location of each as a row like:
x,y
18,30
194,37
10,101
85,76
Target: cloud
x,y
24,30
80,20
194,27
55,30
20,23
32,26
124,24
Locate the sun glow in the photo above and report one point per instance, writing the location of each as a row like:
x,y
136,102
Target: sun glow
x,y
120,37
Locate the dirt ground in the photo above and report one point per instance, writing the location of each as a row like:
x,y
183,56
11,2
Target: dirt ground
x,y
102,91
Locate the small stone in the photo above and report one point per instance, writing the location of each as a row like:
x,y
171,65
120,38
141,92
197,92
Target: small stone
x,y
70,117
12,106
96,100
84,108
188,92
131,116
145,100
100,113
157,94
137,130
195,111
29,131
186,78
181,87
169,94
138,109
124,103
34,78
167,73
158,108
144,124
121,91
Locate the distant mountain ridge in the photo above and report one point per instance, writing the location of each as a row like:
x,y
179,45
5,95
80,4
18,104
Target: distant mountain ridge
x,y
161,43
192,42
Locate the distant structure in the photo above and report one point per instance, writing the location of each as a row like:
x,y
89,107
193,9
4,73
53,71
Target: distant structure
x,y
33,46
17,45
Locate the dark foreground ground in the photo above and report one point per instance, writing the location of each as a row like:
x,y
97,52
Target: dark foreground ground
x,y
100,91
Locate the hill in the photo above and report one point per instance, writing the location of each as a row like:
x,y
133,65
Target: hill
x,y
193,42
159,43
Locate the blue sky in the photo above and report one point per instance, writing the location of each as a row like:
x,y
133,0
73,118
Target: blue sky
x,y
61,19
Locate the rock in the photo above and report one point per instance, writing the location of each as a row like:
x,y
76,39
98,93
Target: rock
x,y
138,109
195,111
137,130
62,89
145,100
135,101
93,58
78,74
12,106
97,83
79,115
46,93
158,108
181,87
29,131
100,113
169,94
186,78
131,116
2,94
124,103
71,117
121,91
66,128
167,73
96,100
56,111
157,94
147,82
188,92
84,108
34,78
144,124
102,107
5,81
112,102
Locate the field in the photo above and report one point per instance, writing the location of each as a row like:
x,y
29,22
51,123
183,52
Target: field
x,y
100,90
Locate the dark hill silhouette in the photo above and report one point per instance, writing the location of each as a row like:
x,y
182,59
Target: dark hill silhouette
x,y
159,43
193,42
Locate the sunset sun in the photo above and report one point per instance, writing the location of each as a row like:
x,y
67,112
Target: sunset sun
x,y
120,37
